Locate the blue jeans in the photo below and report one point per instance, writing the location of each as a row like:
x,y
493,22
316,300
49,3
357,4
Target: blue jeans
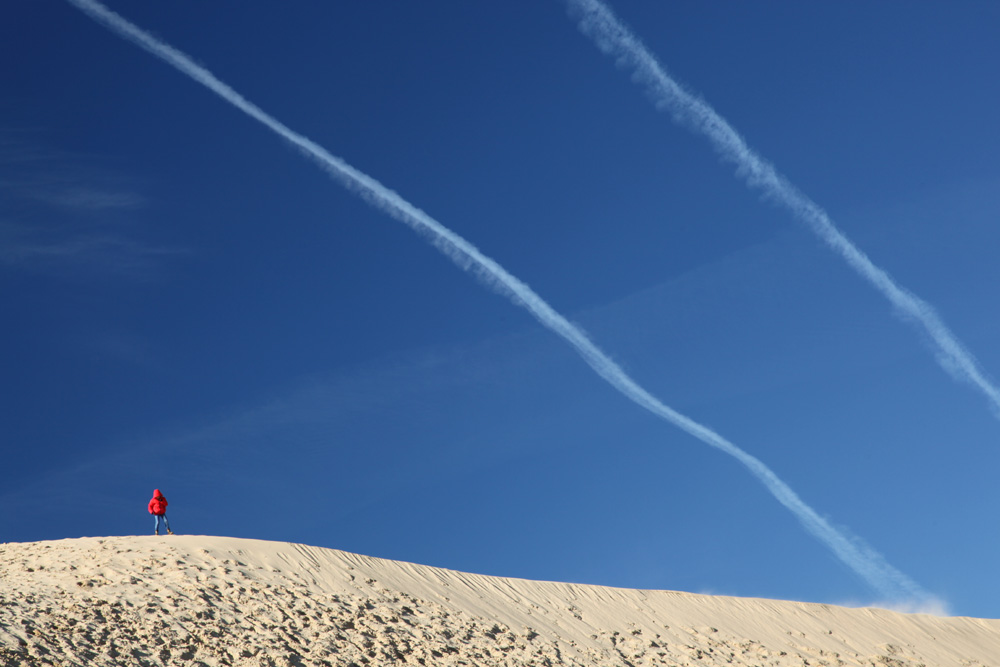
x,y
156,523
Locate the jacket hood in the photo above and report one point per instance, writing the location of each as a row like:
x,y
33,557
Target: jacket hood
x,y
157,494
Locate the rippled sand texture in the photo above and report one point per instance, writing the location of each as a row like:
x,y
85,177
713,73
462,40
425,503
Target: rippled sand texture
x,y
192,600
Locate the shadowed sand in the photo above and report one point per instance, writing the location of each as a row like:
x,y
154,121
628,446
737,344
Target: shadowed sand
x,y
193,600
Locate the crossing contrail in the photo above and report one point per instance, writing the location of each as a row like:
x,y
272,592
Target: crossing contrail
x,y
611,36
861,558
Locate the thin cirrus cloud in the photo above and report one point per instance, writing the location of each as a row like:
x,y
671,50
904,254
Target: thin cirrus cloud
x,y
35,249
62,214
82,198
32,172
867,563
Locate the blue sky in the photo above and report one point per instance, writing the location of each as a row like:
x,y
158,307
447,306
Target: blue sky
x,y
192,306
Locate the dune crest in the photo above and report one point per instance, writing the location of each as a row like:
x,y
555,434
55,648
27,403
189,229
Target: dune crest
x,y
194,600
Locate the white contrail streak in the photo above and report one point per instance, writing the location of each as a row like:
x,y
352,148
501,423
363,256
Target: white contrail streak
x,y
866,562
612,37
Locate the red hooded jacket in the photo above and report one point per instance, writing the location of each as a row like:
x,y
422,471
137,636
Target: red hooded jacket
x,y
158,504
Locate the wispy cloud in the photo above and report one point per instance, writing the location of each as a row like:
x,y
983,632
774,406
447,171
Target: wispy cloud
x,y
32,172
81,198
861,558
65,213
611,36
38,249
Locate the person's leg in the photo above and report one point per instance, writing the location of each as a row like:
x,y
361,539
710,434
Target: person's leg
x,y
166,523
156,525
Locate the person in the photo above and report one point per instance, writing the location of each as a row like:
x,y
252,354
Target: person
x,y
158,508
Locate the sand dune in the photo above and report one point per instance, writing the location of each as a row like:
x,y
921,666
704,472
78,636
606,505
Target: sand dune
x,y
192,600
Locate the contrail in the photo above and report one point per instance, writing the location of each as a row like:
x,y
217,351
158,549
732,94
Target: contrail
x,y
611,36
864,560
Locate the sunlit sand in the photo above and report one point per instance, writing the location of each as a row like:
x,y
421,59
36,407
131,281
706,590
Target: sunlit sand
x,y
180,600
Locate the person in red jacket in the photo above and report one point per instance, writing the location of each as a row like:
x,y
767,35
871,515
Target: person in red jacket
x,y
158,508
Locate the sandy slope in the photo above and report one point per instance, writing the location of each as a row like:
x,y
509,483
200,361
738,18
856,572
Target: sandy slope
x,y
189,600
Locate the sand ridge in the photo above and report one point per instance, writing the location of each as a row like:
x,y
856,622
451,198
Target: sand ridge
x,y
197,600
